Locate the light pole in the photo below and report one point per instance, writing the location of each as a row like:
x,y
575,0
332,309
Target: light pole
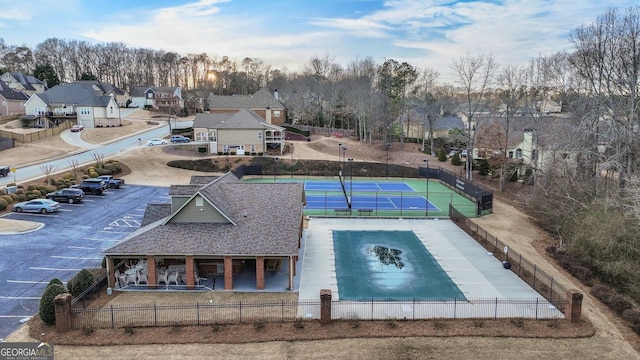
x,y
427,191
275,159
339,158
344,156
388,146
350,182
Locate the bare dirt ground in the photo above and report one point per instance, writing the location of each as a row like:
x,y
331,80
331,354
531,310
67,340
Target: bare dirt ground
x,y
612,340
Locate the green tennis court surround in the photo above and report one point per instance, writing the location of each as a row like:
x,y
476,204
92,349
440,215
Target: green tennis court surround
x,y
388,265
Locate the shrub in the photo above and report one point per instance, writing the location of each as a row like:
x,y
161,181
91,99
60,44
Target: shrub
x,y
104,171
67,176
19,191
442,155
22,197
55,281
3,204
36,193
81,282
620,303
31,196
455,160
602,293
31,187
633,316
3,192
47,307
259,325
7,198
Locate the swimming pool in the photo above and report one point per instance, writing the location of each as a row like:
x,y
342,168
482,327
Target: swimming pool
x,y
388,265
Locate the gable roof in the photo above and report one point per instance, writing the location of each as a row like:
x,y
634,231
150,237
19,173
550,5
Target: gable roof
x,y
551,132
140,91
26,80
102,86
10,94
243,119
78,94
262,99
264,220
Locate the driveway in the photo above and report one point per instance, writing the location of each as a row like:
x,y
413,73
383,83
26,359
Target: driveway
x,y
67,242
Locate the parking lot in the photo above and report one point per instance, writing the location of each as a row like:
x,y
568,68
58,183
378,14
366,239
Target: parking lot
x,y
71,239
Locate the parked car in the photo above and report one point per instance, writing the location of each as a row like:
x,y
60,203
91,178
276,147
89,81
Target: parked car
x,y
92,186
179,139
76,128
463,153
156,141
67,195
4,170
111,181
42,206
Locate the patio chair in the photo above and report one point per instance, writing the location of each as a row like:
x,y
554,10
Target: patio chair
x,y
163,276
132,279
174,277
121,278
142,277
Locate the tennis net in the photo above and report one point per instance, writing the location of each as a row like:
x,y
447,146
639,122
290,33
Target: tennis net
x,y
344,190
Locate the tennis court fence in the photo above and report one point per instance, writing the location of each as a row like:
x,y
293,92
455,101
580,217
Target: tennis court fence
x,y
539,280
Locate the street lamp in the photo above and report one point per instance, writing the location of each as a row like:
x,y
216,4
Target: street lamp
x,y
427,191
344,156
275,159
388,146
350,182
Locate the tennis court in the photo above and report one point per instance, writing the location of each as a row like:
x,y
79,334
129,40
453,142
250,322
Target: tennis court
x,y
379,197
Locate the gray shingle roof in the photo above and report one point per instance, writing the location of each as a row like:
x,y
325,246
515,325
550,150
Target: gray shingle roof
x,y
202,179
155,212
262,99
10,94
243,119
78,94
26,80
140,91
103,86
266,222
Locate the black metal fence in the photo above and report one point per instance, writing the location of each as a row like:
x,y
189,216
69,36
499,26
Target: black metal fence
x,y
539,280
210,313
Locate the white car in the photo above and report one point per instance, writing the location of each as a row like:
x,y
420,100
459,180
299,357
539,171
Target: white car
x,y
156,141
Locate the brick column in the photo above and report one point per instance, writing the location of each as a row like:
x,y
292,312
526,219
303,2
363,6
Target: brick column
x,y
189,268
325,306
260,272
573,312
228,273
112,273
151,271
62,304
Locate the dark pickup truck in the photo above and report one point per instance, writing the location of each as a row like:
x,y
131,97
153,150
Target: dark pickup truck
x,y
91,186
4,170
111,181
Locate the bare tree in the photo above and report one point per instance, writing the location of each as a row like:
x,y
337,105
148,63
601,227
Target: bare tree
x,y
475,75
48,170
74,167
99,158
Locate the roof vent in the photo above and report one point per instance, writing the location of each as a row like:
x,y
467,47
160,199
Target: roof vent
x,y
245,213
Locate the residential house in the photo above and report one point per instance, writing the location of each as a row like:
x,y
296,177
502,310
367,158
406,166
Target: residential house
x,y
11,101
542,143
164,98
239,132
221,228
548,106
106,89
413,121
264,103
24,83
78,102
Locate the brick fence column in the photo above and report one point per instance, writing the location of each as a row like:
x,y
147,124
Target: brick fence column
x,y
574,305
325,306
62,304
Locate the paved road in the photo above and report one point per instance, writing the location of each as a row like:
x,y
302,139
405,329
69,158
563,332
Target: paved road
x,y
85,156
70,240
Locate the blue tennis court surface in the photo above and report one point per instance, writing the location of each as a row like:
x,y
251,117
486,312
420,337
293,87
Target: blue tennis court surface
x,y
378,202
357,186
388,265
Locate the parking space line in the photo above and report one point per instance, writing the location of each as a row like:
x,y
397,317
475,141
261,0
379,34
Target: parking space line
x,y
27,282
81,247
110,240
114,232
76,258
130,215
18,316
18,298
52,269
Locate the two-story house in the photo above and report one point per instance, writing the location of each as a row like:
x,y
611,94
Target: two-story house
x,y
241,132
264,103
80,102
24,83
11,101
165,98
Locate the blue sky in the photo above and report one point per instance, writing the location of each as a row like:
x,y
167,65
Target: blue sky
x,y
287,33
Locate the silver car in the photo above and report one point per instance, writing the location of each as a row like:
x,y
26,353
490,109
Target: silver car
x,y
42,206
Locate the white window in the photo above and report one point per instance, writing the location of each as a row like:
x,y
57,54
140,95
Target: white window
x,y
276,113
199,201
84,110
202,136
259,135
518,153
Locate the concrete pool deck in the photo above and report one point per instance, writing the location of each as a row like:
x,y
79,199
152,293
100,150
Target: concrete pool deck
x,y
477,273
